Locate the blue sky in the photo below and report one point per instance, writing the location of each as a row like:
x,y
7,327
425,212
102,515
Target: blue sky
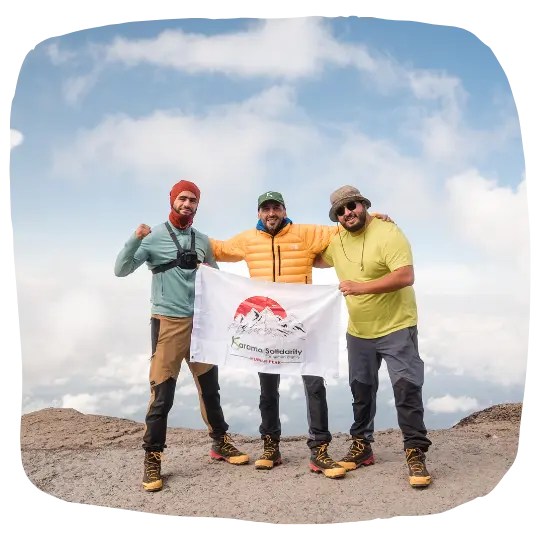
x,y
419,117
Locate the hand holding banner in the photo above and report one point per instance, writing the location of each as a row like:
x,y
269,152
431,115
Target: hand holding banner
x,y
265,327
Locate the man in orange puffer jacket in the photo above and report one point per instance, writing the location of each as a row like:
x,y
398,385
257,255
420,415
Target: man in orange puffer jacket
x,y
279,250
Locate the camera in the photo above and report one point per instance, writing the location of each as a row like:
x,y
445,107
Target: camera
x,y
188,260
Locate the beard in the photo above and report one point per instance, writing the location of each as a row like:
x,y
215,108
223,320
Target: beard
x,y
181,221
360,224
272,228
180,209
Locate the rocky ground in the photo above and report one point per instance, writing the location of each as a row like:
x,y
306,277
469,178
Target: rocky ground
x,y
97,460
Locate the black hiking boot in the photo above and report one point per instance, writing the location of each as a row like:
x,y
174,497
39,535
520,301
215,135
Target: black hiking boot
x,y
152,471
270,456
223,448
360,454
321,462
416,461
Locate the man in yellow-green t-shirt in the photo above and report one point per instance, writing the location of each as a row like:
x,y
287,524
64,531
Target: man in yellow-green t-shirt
x,y
373,261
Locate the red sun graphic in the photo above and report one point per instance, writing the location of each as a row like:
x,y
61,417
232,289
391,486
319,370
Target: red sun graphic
x,y
259,303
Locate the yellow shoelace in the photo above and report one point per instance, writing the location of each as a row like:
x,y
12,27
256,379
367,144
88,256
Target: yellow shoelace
x,y
228,445
356,449
269,448
322,456
414,461
153,467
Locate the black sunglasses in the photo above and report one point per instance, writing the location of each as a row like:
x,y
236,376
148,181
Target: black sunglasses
x,y
350,206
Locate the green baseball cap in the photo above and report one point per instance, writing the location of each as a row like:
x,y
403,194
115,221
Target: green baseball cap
x,y
271,196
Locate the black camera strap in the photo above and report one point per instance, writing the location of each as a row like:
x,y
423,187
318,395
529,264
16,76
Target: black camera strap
x,y
176,262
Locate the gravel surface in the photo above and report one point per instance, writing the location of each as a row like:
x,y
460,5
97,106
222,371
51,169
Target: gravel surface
x,y
97,460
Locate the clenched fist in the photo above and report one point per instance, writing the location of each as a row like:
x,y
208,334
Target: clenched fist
x,y
142,231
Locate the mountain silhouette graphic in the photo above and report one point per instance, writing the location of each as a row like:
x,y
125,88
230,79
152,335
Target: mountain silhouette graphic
x,y
267,323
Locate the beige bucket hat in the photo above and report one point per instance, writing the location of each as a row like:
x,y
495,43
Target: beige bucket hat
x,y
342,196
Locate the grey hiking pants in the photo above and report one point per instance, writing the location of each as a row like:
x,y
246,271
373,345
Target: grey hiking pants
x,y
406,369
317,408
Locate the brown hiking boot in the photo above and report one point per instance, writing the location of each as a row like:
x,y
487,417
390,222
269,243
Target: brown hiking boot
x,y
416,461
270,456
360,454
321,462
152,471
223,448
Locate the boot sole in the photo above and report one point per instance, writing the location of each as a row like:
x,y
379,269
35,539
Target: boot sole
x,y
419,482
266,464
351,466
154,486
235,460
329,473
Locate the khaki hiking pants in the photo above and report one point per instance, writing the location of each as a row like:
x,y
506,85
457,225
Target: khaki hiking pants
x,y
171,338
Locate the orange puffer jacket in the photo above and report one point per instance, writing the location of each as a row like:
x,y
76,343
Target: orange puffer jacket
x,y
286,257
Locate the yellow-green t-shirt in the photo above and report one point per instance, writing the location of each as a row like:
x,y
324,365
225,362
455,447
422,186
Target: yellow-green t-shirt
x,y
385,249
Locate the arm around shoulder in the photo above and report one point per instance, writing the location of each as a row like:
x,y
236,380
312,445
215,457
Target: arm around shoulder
x,y
324,259
318,237
319,262
231,250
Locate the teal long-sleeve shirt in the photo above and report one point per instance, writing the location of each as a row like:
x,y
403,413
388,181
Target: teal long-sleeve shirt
x,y
173,291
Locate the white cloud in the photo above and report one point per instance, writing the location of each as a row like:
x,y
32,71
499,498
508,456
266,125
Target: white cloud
x,y
286,49
229,142
31,403
104,403
438,122
240,138
130,370
16,138
240,411
75,88
433,85
287,383
84,333
493,218
130,410
63,335
484,336
84,403
59,56
384,172
188,390
474,312
447,139
241,378
451,404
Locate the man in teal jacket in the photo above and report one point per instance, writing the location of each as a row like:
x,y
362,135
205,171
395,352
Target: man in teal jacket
x,y
172,251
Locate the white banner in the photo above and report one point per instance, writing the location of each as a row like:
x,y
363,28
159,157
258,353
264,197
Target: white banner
x,y
265,327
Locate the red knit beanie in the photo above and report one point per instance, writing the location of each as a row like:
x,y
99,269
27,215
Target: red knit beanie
x,y
184,185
